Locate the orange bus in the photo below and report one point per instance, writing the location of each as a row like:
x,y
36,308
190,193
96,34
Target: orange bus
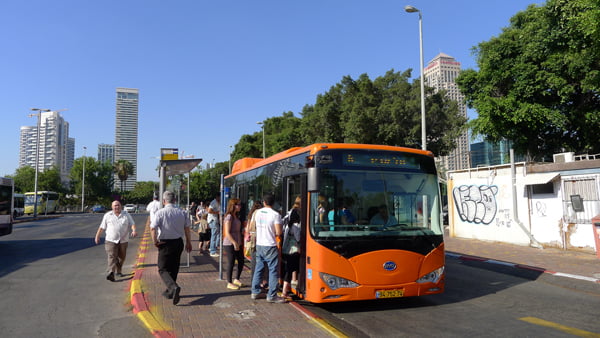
x,y
371,217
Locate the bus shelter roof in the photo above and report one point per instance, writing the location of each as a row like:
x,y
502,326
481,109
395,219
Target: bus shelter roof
x,y
178,167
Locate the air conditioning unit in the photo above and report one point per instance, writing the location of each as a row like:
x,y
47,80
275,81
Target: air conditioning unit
x,y
563,157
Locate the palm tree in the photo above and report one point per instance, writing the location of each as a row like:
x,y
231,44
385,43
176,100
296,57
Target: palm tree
x,y
123,169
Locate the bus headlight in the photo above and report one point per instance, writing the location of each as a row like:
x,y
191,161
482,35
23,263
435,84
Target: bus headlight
x,y
432,277
335,282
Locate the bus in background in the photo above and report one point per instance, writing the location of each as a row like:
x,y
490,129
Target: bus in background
x,y
18,205
47,202
371,217
6,200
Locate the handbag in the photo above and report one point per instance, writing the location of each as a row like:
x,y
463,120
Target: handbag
x,y
291,246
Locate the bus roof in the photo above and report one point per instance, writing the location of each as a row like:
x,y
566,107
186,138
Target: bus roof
x,y
249,163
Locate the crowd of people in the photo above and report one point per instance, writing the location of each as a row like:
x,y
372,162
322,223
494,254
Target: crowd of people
x,y
268,239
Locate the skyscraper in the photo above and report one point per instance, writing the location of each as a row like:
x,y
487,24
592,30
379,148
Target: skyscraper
x,y
126,132
56,147
441,73
106,153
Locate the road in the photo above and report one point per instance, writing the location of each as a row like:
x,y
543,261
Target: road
x,y
480,300
52,282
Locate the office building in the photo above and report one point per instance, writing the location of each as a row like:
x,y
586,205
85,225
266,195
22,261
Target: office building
x,y
126,133
441,73
106,153
56,148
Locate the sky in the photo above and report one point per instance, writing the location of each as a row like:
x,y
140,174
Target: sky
x,y
208,71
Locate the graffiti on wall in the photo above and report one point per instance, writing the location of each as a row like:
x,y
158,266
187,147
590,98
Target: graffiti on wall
x,y
476,204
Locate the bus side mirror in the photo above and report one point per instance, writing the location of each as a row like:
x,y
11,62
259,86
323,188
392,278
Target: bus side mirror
x,y
313,180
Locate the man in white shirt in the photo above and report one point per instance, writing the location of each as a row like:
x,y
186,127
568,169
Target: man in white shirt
x,y
168,227
116,223
152,208
268,229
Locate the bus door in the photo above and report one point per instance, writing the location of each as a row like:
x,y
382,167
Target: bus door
x,y
296,186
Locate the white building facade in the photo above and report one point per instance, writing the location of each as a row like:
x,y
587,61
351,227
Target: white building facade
x,y
551,205
56,148
126,133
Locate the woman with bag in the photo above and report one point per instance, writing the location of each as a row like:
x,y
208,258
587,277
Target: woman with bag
x,y
291,247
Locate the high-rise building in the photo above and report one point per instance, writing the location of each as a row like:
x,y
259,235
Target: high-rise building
x,y
441,73
126,132
106,153
56,148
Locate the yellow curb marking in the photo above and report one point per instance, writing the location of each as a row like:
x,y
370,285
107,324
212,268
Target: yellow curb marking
x,y
563,328
327,327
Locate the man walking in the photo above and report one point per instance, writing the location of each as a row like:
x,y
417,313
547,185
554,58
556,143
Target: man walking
x,y
268,229
214,210
167,228
116,223
152,208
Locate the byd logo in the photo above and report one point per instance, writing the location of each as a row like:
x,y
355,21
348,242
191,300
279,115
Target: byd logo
x,y
389,266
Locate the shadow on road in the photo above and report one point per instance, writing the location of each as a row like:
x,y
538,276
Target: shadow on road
x,y
18,253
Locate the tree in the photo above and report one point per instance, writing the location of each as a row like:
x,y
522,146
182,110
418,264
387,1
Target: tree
x,y
98,180
538,83
24,178
123,169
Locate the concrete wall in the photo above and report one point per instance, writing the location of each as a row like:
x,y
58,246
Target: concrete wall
x,y
481,207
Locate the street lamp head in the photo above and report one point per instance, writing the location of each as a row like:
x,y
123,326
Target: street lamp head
x,y
411,9
259,122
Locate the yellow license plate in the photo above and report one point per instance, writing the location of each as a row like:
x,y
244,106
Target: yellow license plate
x,y
389,293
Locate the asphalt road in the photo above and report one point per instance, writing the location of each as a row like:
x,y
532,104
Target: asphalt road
x,y
481,300
52,282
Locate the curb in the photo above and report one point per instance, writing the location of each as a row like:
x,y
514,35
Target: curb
x,y
138,300
520,266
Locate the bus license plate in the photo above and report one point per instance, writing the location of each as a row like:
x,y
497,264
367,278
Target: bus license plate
x,y
389,293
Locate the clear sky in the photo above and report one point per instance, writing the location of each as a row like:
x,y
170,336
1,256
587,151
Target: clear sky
x,y
207,71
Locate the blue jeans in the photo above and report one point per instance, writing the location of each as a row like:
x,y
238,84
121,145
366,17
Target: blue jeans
x,y
215,236
270,256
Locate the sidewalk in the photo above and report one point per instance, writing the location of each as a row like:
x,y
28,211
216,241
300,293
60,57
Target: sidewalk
x,y
571,264
208,309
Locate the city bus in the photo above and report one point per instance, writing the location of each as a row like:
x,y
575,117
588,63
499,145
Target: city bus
x,y
18,205
371,217
6,201
47,202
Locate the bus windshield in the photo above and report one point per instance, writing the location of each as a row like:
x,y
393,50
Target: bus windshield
x,y
375,203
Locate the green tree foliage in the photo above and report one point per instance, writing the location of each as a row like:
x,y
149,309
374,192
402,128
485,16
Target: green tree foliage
x,y
98,180
48,179
538,82
123,169
24,178
142,192
384,111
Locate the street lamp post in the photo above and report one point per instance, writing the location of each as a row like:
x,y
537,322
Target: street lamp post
x,y
37,156
262,125
83,182
411,9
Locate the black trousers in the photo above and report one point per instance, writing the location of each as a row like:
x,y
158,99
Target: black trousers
x,y
169,257
233,257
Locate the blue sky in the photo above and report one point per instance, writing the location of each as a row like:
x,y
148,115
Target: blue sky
x,y
207,71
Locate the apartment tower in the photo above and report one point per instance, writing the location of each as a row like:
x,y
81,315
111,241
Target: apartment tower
x,y
126,133
441,73
106,153
55,147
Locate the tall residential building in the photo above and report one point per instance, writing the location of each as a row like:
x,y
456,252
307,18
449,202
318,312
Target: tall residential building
x,y
441,73
126,132
106,153
56,148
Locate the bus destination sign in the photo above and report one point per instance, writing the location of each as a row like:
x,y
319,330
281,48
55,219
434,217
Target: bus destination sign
x,y
380,160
